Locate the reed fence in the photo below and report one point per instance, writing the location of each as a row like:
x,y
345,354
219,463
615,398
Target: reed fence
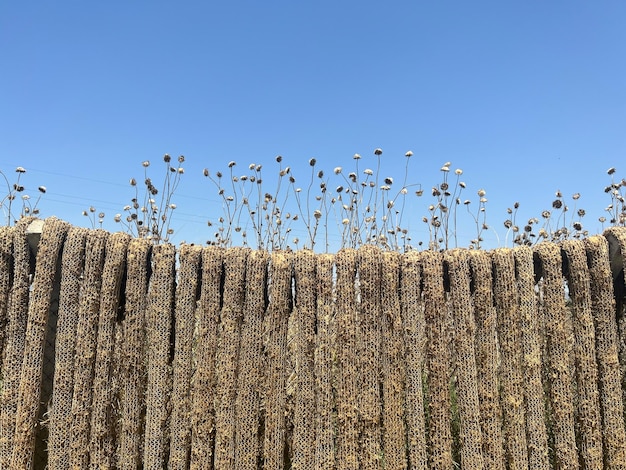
x,y
120,354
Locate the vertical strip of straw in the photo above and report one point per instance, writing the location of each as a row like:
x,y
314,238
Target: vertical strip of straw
x,y
17,316
187,286
348,365
133,364
325,416
369,350
276,324
251,364
538,456
102,424
29,392
487,359
464,341
204,379
305,307
588,417
412,310
6,257
158,332
72,266
511,375
89,306
394,365
610,381
438,357
228,356
559,333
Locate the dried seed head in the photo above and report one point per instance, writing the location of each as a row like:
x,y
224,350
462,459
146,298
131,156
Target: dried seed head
x,y
146,163
167,158
458,171
320,174
368,172
462,184
312,162
231,164
611,170
20,169
576,196
378,152
181,158
408,154
218,174
317,213
557,203
389,180
481,192
337,170
42,189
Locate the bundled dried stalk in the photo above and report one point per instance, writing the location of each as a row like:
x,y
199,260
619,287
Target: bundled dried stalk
x,y
559,334
6,258
305,309
186,289
251,364
487,359
29,392
17,316
276,325
438,357
158,330
102,419
464,340
228,356
369,350
610,389
72,266
588,418
393,365
412,310
538,456
204,380
325,416
348,364
84,360
511,375
133,364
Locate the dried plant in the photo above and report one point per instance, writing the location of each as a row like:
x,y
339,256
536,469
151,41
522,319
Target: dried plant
x,y
12,210
150,211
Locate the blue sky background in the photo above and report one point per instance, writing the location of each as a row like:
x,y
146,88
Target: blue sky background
x,y
525,97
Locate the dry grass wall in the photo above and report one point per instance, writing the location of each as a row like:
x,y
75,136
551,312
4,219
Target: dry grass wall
x,y
211,358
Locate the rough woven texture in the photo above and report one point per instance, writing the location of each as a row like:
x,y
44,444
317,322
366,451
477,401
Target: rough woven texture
x,y
73,263
610,379
103,416
511,373
212,358
186,292
464,345
86,337
559,334
15,338
588,417
538,452
158,332
133,366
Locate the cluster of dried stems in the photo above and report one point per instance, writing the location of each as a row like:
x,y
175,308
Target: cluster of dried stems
x,y
361,205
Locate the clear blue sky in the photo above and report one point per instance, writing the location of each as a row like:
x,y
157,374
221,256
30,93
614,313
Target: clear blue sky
x,y
525,97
